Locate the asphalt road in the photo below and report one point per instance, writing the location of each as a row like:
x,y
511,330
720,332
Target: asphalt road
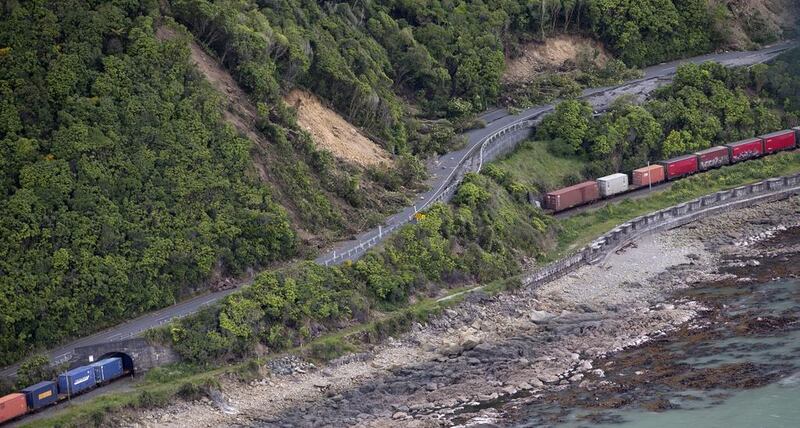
x,y
441,171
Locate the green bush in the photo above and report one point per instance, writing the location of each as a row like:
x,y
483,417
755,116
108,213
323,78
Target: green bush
x,y
329,348
448,246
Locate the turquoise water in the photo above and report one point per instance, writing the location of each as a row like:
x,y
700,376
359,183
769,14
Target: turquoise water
x,y
774,405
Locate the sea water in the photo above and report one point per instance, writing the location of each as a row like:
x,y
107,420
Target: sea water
x,y
774,405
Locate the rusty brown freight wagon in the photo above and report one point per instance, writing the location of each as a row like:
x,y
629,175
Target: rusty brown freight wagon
x,y
648,175
572,196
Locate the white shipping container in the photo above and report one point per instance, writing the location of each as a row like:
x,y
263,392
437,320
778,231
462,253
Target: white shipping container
x,y
612,184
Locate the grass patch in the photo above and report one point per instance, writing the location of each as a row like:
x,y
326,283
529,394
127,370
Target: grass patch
x,y
329,348
533,164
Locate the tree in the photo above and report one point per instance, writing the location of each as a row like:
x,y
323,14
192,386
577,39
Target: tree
x,y
626,137
33,370
470,195
677,142
569,123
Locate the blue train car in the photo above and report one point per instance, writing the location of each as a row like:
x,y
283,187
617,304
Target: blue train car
x,y
76,380
107,369
41,394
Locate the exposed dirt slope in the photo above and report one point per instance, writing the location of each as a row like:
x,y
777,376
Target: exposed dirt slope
x,y
755,21
332,132
240,113
555,53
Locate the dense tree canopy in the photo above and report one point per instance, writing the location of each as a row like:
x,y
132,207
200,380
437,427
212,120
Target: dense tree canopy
x,y
121,187
371,58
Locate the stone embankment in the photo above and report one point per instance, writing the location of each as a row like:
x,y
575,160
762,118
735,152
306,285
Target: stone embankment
x,y
668,218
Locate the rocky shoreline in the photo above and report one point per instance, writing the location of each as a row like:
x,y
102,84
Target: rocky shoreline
x,y
486,358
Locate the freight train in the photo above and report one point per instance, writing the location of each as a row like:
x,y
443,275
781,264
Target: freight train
x,y
672,169
69,384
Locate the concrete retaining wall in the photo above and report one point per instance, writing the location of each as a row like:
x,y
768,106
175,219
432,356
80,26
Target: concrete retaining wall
x,y
669,218
144,355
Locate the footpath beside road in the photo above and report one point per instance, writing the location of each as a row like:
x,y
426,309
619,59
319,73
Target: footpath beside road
x,y
501,134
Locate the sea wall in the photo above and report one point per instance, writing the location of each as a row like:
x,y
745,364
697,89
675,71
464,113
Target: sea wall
x,y
668,218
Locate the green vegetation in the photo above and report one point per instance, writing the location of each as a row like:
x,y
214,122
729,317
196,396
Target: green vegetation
x,y
121,187
534,167
33,370
652,31
706,105
479,238
370,59
190,382
124,190
491,226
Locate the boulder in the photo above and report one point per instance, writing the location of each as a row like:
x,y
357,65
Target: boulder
x,y
536,383
540,316
469,342
399,415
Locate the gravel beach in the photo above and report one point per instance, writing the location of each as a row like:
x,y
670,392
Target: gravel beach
x,y
486,350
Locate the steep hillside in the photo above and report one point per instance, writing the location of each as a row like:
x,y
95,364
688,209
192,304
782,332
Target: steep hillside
x,y
122,188
306,182
333,133
741,24
146,147
557,53
382,63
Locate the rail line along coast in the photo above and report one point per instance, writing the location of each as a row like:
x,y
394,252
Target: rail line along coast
x,y
502,133
672,169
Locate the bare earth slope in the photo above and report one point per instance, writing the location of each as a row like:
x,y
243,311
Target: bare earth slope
x,y
332,132
239,112
555,53
760,17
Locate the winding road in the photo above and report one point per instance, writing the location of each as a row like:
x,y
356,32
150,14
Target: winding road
x,y
443,175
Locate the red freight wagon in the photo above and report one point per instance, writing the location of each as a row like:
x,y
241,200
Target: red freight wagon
x,y
11,406
648,175
746,149
680,166
572,196
777,141
713,158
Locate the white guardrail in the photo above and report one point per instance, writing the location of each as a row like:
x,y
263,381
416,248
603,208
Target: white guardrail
x,y
445,190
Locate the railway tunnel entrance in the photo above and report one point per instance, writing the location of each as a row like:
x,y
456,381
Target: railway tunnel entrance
x,y
127,361
137,354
